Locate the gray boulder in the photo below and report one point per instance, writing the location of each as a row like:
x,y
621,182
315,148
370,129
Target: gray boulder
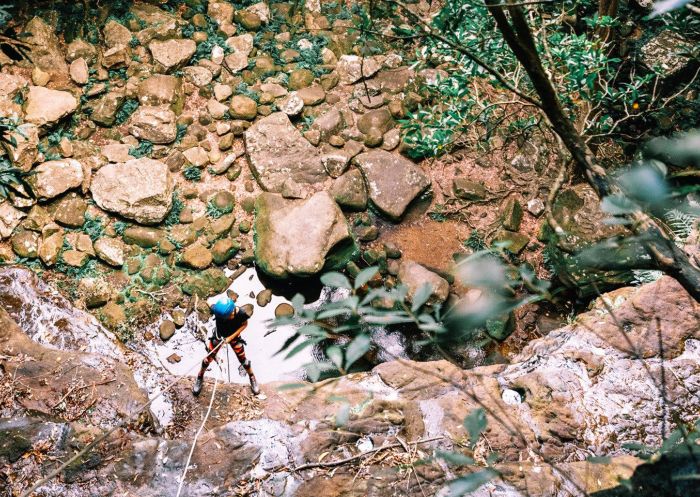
x,y
298,237
393,181
276,151
139,189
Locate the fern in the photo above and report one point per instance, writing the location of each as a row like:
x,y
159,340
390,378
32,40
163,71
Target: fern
x,y
680,223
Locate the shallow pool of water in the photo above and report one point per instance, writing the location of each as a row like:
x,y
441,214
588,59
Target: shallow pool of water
x,y
262,343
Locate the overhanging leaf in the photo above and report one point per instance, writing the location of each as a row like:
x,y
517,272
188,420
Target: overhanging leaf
x,y
475,424
421,296
364,276
336,280
471,482
356,349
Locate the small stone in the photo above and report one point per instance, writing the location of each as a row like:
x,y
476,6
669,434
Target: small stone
x,y
284,310
300,78
243,107
292,104
264,297
25,243
223,250
113,315
512,215
197,257
535,207
179,318
166,330
79,71
75,258
70,211
515,242
173,358
466,189
110,251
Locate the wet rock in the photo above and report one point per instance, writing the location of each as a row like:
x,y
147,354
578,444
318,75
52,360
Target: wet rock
x,y
350,191
512,214
466,189
143,237
196,257
284,310
264,297
70,211
296,237
155,124
55,177
113,189
46,107
172,54
393,181
166,330
276,151
9,219
414,276
352,68
110,251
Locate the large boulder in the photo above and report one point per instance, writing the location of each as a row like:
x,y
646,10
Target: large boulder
x,y
276,151
172,54
46,53
139,189
55,177
393,181
297,237
155,124
46,107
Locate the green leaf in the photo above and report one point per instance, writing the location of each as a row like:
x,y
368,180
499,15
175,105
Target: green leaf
x,y
336,280
471,482
299,347
331,313
421,296
455,458
475,424
335,354
356,349
365,275
343,415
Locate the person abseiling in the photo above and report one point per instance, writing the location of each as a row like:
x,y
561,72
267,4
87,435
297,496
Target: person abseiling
x,y
230,323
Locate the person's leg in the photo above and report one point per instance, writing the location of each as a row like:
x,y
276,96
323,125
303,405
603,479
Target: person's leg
x,y
199,381
239,350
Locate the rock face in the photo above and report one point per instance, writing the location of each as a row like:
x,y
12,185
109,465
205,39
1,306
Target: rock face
x,y
393,181
113,189
276,151
46,107
55,177
295,238
578,391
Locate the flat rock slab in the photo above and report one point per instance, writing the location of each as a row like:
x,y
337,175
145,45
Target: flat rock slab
x,y
139,189
277,151
392,180
294,237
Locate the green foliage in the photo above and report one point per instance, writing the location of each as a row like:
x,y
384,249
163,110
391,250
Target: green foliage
x,y
13,180
120,227
214,38
125,111
89,270
475,241
243,89
181,131
145,149
175,211
93,227
192,173
215,212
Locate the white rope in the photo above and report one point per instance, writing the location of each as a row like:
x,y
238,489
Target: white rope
x,y
196,436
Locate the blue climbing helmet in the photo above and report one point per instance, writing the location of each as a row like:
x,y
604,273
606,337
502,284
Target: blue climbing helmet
x,y
222,306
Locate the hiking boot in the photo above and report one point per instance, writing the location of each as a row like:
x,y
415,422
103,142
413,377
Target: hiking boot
x,y
254,385
197,387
